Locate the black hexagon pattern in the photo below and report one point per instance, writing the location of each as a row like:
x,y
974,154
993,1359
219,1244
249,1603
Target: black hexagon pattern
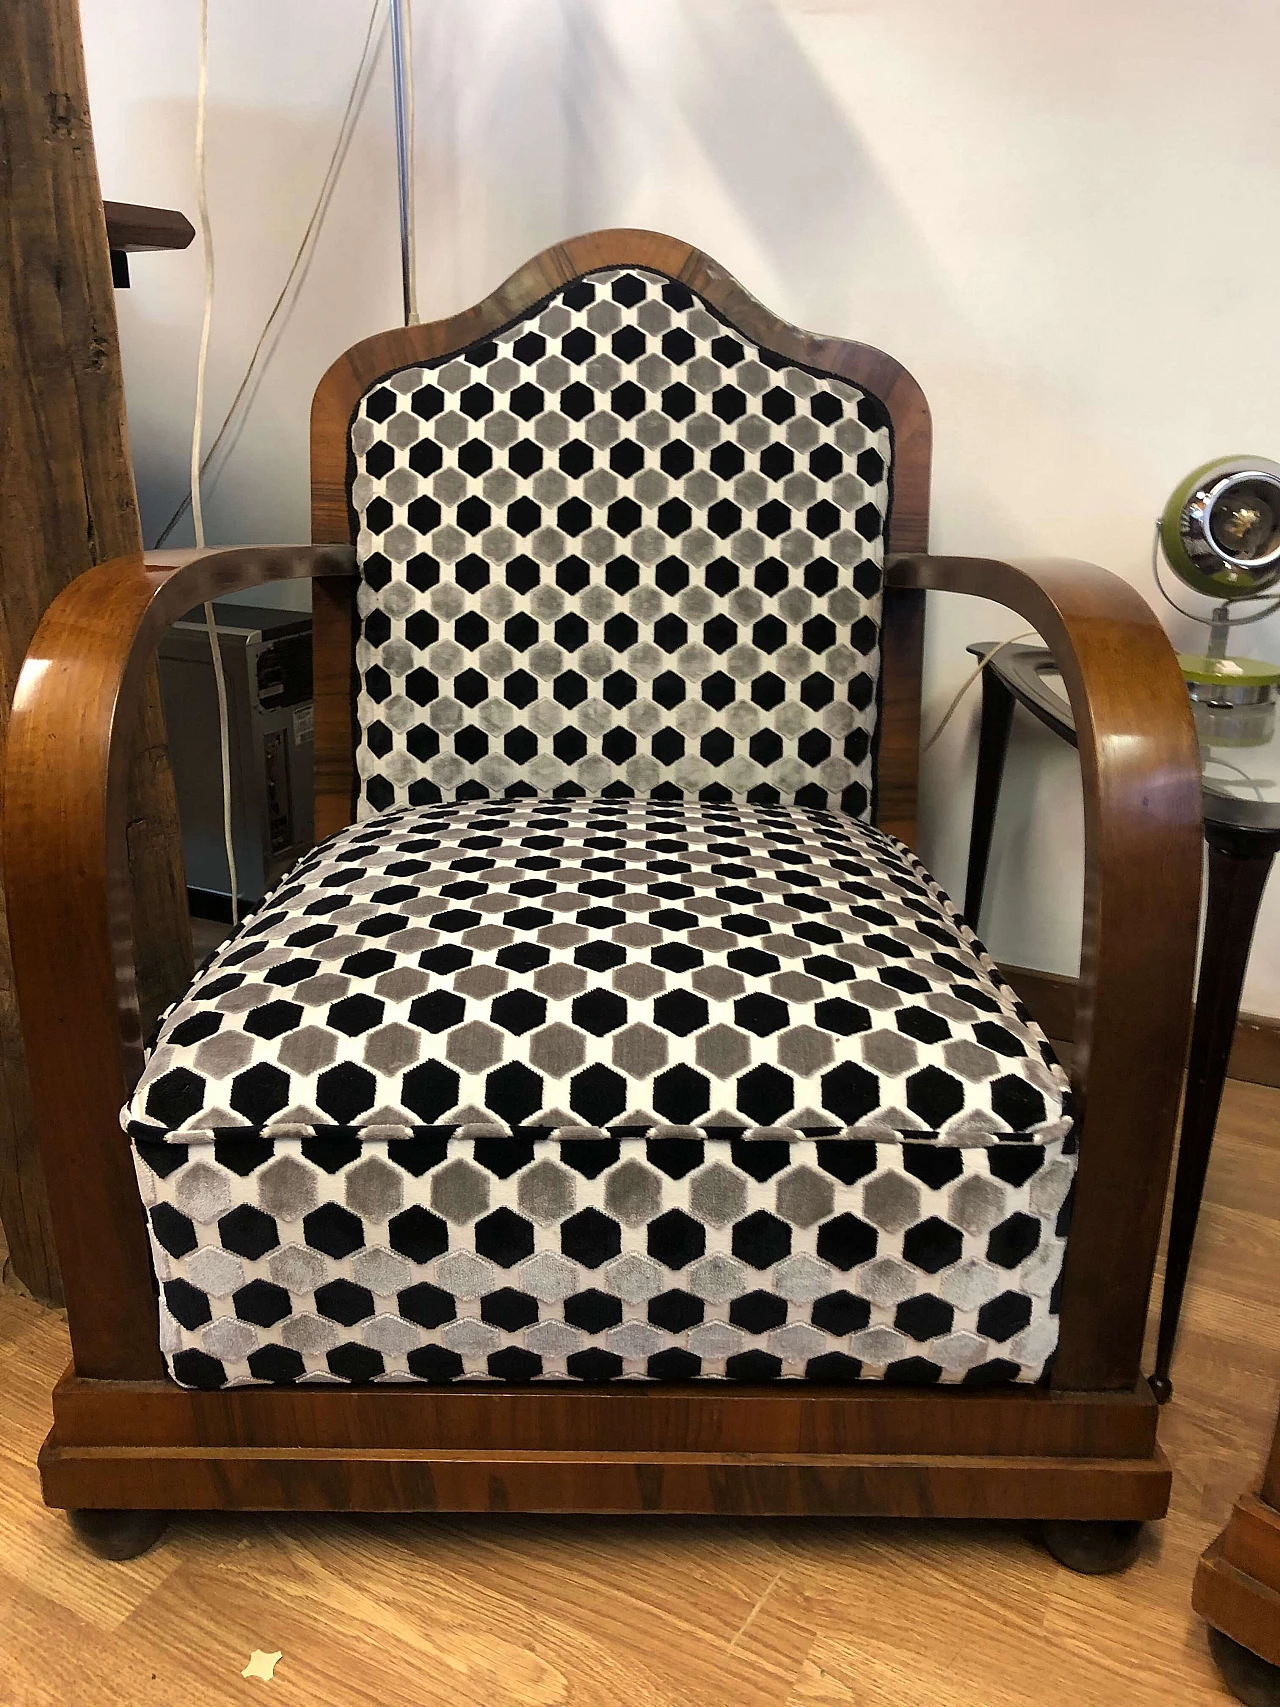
x,y
594,1259
618,549
567,1089
555,968
605,1050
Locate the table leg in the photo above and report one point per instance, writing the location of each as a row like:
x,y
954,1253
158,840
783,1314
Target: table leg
x,y
1239,861
993,746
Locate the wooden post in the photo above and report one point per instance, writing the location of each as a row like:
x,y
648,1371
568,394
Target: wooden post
x,y
67,501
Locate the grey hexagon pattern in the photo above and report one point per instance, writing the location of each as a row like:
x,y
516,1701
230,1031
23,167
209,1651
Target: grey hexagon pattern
x,y
802,974
618,548
553,1174
604,1046
600,1259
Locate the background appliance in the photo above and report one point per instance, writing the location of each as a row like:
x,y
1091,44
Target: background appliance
x,y
1220,535
267,661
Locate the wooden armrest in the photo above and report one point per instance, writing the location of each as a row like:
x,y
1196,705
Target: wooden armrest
x,y
64,828
1141,776
70,901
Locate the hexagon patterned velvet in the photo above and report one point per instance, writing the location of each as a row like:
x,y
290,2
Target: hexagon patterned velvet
x,y
619,549
585,1089
604,1045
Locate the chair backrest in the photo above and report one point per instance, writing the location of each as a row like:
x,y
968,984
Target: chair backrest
x,y
620,532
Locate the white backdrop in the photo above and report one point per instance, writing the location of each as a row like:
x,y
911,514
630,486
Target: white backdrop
x,y
1061,218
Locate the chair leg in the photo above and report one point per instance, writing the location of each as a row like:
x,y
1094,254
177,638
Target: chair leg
x,y
1093,1549
118,1535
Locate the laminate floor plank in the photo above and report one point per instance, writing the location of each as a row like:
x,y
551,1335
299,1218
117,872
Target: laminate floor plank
x,y
663,1612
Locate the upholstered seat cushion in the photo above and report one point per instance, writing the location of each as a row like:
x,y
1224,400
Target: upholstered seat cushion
x,y
604,1087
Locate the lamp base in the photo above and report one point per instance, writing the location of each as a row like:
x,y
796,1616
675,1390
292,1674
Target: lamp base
x,y
1233,700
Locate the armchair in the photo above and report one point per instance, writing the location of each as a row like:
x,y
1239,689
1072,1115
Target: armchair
x,y
611,1114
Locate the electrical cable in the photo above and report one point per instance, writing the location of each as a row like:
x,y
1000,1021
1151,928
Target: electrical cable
x,y
1256,783
197,427
402,79
409,126
970,679
355,98
200,463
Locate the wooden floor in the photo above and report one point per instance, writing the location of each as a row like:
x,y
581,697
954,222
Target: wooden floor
x,y
635,1613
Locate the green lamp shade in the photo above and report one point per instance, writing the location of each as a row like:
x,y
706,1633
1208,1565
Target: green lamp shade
x,y
1221,528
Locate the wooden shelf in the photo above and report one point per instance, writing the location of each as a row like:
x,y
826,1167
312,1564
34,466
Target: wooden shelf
x,y
135,230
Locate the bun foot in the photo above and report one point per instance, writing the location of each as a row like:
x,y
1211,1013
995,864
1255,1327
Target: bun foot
x,y
119,1535
1097,1549
1162,1387
1247,1675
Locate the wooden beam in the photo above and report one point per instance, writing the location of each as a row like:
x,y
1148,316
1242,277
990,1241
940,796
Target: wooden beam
x,y
67,501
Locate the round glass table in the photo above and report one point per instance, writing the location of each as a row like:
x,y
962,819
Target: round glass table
x,y
1241,793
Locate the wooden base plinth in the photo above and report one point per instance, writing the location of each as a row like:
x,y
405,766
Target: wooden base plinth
x,y
1237,1584
693,1449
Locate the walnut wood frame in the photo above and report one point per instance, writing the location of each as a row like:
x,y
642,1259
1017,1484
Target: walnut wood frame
x,y
125,1437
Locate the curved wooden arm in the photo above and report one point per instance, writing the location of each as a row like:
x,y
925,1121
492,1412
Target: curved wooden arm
x,y
1141,776
69,904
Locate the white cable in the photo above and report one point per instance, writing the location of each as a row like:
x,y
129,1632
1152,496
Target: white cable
x,y
206,239
197,426
305,248
409,125
1256,783
402,89
970,679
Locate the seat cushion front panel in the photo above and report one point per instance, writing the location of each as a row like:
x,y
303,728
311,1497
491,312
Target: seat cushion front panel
x,y
606,1087
592,1259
